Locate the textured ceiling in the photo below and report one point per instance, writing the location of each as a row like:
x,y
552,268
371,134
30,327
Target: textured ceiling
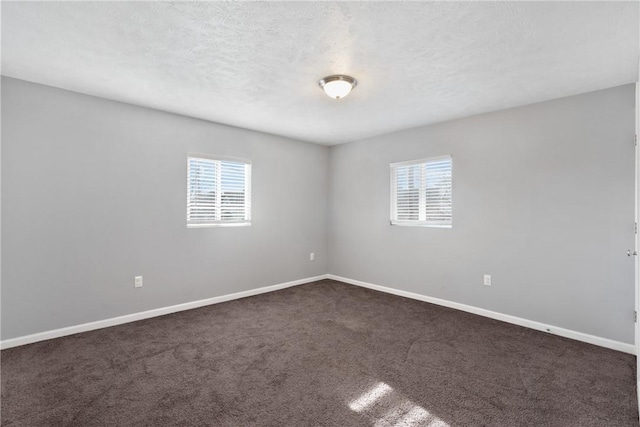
x,y
256,65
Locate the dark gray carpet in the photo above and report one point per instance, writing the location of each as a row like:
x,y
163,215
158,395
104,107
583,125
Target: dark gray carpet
x,y
321,354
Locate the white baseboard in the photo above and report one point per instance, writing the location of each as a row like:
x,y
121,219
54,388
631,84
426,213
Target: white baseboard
x,y
85,327
91,326
567,333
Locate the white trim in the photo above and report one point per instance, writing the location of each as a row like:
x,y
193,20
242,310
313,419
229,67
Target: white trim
x,y
220,158
636,242
220,224
567,333
422,202
99,324
215,219
637,236
91,326
419,161
410,223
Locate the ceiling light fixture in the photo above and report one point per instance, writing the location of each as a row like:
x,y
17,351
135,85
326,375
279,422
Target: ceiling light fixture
x,y
338,86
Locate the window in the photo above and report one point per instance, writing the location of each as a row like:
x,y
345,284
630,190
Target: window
x,y
218,191
421,192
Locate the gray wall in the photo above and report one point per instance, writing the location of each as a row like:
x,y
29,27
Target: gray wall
x,y
94,193
543,200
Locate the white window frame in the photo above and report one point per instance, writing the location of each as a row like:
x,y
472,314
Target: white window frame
x,y
219,222
393,168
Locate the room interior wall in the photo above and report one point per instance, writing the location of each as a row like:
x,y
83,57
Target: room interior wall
x,y
543,200
94,193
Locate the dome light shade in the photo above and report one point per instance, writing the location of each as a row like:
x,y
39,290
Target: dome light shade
x,y
338,86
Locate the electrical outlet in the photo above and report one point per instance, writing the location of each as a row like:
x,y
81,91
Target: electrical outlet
x,y
312,256
487,280
137,282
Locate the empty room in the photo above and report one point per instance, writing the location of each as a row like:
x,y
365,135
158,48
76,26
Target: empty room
x,y
319,214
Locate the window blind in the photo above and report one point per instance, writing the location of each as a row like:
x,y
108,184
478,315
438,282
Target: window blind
x,y
421,192
218,192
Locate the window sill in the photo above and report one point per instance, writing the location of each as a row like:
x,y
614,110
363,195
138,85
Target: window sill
x,y
418,224
220,224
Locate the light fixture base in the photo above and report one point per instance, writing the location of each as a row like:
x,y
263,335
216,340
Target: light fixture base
x,y
338,86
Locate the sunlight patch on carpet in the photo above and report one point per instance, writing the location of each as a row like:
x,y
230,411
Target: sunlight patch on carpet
x,y
370,397
387,407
